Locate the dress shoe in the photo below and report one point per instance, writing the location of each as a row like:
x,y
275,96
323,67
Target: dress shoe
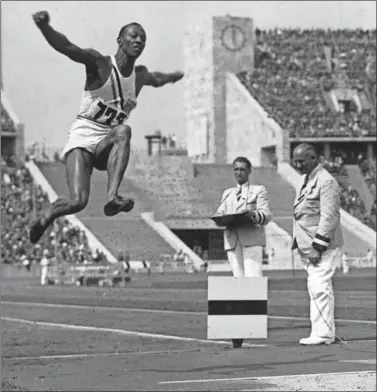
x,y
314,341
237,343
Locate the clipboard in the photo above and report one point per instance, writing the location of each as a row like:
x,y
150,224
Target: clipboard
x,y
231,219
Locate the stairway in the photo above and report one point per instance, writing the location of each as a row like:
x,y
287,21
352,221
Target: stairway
x,y
124,231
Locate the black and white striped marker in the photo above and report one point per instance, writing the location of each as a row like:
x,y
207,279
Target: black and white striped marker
x,y
237,308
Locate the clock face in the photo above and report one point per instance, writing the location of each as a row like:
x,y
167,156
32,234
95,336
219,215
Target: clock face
x,y
233,38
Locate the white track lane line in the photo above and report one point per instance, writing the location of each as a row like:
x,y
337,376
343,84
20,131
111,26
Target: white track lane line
x,y
135,310
366,361
265,377
95,355
124,332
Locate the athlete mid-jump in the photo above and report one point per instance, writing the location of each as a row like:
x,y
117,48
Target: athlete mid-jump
x,y
99,138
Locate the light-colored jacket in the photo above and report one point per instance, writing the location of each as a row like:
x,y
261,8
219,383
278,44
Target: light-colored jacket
x,y
316,213
254,198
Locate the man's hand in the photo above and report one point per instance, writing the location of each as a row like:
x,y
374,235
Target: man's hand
x,y
314,257
41,18
252,215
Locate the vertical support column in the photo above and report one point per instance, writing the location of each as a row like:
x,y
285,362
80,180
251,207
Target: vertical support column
x,y
149,146
20,142
370,156
327,150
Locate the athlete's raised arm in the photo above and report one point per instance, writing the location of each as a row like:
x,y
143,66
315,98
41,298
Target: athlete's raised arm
x,y
60,43
157,79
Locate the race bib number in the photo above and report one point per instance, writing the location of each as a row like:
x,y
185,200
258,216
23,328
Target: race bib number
x,y
107,115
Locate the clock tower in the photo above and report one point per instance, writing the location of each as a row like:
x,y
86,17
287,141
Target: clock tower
x,y
212,49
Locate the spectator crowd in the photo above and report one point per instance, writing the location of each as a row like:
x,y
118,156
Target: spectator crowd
x,y
291,75
20,201
368,170
290,79
350,198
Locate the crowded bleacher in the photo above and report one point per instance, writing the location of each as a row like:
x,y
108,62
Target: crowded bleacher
x,y
291,74
349,198
20,201
368,170
290,78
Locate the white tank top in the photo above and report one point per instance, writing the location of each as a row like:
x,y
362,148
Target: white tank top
x,y
112,103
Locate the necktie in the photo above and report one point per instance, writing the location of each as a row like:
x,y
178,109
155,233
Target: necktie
x,y
304,185
238,194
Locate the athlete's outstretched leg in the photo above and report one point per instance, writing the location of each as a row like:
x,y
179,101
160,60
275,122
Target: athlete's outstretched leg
x,y
79,168
115,151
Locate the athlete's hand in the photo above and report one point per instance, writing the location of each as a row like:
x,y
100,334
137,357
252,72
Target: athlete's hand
x,y
178,75
41,18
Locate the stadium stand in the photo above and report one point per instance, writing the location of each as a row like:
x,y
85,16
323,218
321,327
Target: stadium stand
x,y
368,170
19,201
126,232
291,76
289,81
281,194
149,181
350,198
6,122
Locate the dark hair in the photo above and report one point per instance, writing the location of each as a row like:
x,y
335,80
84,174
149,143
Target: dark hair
x,y
243,160
125,27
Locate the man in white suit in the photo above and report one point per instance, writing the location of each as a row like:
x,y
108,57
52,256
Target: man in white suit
x,y
318,237
244,244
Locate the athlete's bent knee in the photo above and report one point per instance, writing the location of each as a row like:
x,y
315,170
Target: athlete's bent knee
x,y
80,201
123,133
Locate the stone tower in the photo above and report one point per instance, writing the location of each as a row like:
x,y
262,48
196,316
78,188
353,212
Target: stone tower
x,y
223,44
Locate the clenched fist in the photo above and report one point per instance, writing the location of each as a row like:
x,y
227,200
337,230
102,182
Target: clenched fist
x,y
41,18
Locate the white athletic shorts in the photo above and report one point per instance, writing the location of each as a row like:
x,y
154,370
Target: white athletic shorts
x,y
86,135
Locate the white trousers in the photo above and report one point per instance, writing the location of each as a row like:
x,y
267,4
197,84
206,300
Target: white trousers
x,y
345,266
246,261
321,293
43,276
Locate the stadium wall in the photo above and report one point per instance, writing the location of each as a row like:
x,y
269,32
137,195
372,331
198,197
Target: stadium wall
x,y
152,167
250,131
173,240
18,138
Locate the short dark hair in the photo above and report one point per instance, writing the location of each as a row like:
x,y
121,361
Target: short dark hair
x,y
243,160
125,27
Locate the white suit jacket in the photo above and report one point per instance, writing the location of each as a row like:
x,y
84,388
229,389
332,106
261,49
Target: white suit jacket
x,y
316,213
253,198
